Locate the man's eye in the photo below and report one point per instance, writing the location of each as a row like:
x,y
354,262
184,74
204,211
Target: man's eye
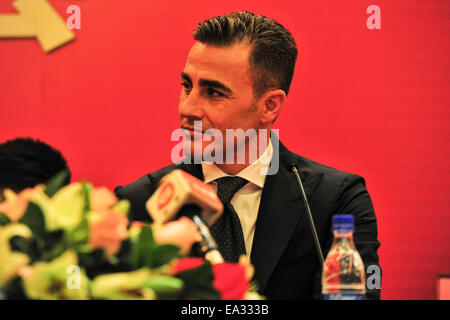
x,y
187,86
213,93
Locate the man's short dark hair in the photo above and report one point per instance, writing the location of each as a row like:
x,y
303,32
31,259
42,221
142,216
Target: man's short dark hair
x,y
25,162
273,49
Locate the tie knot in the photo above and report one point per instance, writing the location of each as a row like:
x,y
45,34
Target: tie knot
x,y
228,186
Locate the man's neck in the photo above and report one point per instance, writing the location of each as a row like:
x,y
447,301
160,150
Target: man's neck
x,y
234,168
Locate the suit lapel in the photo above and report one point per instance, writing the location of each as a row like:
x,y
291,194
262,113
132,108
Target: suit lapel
x,y
280,212
193,169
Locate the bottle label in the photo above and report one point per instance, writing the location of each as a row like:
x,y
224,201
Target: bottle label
x,y
343,296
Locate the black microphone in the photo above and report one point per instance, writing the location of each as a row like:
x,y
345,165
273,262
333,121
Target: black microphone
x,y
310,217
207,246
180,194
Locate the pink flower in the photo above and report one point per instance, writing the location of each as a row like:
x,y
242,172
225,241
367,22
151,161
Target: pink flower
x,y
102,198
14,205
107,229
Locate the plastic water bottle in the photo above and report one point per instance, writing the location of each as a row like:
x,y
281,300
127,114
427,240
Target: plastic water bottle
x,y
343,275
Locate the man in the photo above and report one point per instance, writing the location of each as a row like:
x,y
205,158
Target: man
x,y
25,162
237,76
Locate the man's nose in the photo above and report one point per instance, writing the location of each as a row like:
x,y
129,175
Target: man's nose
x,y
190,107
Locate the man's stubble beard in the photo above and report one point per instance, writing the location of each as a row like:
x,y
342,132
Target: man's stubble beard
x,y
235,149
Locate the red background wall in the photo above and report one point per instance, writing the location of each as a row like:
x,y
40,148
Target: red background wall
x,y
372,102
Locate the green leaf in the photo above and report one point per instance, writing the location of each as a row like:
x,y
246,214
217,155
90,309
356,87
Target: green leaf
x,y
164,286
54,244
206,292
123,255
25,245
201,275
50,246
56,182
145,252
122,206
43,245
4,219
163,254
67,208
198,283
79,235
13,290
95,262
141,252
90,259
86,189
34,219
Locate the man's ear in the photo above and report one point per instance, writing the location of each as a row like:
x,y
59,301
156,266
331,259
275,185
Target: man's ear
x,y
272,103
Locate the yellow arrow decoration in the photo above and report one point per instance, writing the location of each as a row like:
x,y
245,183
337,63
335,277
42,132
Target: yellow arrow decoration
x,y
36,19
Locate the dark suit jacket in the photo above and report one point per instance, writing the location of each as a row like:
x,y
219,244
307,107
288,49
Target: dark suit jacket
x,y
283,254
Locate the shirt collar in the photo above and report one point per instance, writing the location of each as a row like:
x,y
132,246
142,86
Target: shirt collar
x,y
255,172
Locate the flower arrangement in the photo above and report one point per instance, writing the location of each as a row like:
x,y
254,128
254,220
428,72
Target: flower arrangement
x,y
76,242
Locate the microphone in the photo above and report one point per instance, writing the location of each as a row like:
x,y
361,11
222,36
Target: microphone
x,y
181,194
208,245
177,189
310,217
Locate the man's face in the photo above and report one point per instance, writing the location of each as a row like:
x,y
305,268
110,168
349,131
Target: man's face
x,y
217,89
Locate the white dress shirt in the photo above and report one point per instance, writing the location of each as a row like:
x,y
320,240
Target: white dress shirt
x,y
247,199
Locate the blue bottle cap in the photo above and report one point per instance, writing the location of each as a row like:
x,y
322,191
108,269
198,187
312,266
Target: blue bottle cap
x,y
343,221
